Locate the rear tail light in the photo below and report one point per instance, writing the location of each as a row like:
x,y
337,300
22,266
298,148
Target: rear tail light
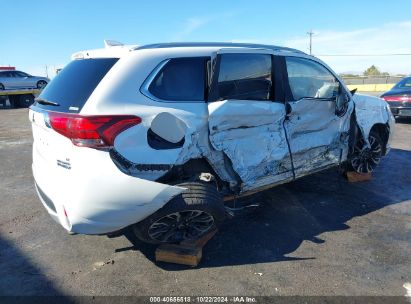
x,y
397,98
91,131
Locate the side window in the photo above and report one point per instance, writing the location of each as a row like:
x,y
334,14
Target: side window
x,y
181,79
245,76
310,79
21,74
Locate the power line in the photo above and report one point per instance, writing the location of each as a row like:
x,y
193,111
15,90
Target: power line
x,y
311,34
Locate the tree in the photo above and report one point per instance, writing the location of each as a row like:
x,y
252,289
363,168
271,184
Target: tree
x,y
374,71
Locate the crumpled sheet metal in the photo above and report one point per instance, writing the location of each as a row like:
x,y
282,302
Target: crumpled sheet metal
x,y
255,143
316,135
370,111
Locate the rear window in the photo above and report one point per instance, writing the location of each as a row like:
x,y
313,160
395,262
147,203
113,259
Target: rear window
x,y
404,84
71,88
181,79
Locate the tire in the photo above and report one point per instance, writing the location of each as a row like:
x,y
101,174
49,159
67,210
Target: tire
x,y
41,84
363,159
25,100
14,101
1,87
189,215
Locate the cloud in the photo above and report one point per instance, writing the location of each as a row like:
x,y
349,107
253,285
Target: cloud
x,y
388,38
191,25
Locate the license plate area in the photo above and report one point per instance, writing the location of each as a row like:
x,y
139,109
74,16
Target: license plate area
x,y
405,112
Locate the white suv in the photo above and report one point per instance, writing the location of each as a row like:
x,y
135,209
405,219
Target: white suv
x,y
161,136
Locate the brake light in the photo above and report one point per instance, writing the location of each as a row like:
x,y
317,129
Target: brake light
x,y
397,98
91,131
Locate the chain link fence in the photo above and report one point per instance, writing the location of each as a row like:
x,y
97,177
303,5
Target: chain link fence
x,y
372,79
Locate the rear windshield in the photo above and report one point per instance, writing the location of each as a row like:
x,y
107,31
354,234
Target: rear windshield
x,y
71,88
404,84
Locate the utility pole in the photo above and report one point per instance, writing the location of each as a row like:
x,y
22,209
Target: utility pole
x,y
311,34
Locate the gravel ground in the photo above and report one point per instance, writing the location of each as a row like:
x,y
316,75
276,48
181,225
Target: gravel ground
x,y
317,236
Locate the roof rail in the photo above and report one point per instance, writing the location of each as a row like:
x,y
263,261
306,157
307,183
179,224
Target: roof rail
x,y
216,44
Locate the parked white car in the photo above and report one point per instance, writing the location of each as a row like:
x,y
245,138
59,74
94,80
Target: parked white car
x,y
156,136
21,80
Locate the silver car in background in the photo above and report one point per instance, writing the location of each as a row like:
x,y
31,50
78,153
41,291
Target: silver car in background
x,y
21,80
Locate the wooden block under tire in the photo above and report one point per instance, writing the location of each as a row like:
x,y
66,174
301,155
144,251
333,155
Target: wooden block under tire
x,y
354,177
187,252
179,254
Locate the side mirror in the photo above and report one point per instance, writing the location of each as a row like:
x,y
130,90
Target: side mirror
x,y
341,102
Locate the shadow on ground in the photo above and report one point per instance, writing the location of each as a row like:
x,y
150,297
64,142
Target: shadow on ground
x,y
299,211
16,278
403,120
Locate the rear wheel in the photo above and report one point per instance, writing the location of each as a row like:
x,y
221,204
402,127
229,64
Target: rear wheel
x,y
189,215
25,100
365,159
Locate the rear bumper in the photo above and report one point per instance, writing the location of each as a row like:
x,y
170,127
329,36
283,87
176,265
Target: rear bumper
x,y
401,111
93,196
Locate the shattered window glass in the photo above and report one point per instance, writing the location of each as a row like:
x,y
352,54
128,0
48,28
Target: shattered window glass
x,y
245,76
309,79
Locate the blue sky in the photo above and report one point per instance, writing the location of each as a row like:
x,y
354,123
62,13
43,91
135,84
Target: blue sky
x,y
48,32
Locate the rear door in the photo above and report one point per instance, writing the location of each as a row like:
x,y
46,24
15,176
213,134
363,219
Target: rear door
x,y
318,133
245,120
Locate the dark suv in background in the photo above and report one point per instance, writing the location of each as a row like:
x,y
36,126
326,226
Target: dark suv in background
x,y
399,98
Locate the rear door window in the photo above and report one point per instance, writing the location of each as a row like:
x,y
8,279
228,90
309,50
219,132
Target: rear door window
x,y
181,79
71,88
245,77
21,74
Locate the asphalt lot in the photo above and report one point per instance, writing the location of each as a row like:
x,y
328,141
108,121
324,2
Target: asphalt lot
x,y
317,236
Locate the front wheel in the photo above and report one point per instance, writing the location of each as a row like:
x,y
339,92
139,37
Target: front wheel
x,y
187,216
365,159
41,84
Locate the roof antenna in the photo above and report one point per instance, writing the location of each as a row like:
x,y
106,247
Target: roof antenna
x,y
110,43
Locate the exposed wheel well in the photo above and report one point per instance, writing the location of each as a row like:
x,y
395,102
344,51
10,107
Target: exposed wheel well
x,y
383,130
190,171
